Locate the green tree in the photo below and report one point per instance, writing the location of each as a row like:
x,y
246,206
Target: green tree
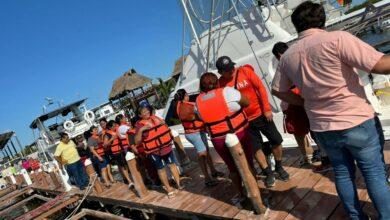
x,y
164,89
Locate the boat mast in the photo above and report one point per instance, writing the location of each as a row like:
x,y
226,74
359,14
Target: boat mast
x,y
209,38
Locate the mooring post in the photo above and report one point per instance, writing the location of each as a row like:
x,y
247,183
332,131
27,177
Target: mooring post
x,y
26,177
136,175
91,173
243,168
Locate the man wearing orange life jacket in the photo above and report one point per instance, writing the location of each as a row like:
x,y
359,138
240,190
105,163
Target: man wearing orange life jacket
x,y
259,114
156,139
112,142
195,133
96,147
221,111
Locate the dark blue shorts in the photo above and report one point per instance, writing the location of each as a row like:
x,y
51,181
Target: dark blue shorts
x,y
160,161
101,164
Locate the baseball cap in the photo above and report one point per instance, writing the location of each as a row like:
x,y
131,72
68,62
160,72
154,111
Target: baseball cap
x,y
224,64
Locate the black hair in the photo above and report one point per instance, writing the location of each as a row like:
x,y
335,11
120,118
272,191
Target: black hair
x,y
179,96
308,15
139,109
110,124
88,134
119,118
103,119
279,48
208,81
63,134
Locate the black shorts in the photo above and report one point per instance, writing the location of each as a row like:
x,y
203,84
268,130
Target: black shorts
x,y
268,129
118,159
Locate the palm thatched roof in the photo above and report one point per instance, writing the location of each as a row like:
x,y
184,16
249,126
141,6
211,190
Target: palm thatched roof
x,y
130,80
4,138
178,66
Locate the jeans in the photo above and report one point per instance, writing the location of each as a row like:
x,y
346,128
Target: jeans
x,y
77,172
199,140
361,144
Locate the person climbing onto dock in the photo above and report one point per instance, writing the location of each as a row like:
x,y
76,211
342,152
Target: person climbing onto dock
x,y
96,147
68,157
230,118
195,133
259,113
295,118
323,66
111,141
156,139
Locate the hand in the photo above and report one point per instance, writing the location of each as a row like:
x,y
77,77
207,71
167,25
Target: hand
x,y
135,151
64,162
100,159
268,115
146,127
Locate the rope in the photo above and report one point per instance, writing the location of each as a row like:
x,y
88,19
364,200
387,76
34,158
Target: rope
x,y
84,197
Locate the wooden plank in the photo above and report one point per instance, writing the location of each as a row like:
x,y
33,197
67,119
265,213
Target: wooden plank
x,y
93,213
8,210
57,207
7,190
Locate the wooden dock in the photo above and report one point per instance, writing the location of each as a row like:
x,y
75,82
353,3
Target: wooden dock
x,y
307,195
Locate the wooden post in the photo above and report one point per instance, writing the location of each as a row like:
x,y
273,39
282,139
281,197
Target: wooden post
x,y
243,168
91,173
136,175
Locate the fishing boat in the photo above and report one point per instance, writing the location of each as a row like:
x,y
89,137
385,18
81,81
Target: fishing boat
x,y
246,32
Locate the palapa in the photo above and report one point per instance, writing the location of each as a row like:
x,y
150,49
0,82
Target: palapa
x,y
130,80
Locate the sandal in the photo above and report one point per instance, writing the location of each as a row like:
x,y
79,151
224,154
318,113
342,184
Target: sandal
x,y
211,183
217,174
171,195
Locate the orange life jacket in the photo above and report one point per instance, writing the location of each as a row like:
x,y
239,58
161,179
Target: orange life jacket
x,y
115,145
34,165
215,113
157,137
124,141
186,113
99,148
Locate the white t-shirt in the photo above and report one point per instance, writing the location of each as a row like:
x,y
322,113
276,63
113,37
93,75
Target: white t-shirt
x,y
232,97
122,130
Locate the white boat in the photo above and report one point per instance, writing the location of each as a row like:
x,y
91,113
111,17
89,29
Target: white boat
x,y
246,32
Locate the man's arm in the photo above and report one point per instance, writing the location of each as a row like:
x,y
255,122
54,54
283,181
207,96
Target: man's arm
x,y
289,97
261,91
382,66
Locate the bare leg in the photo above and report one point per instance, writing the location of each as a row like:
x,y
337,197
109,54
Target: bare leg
x,y
164,179
104,175
277,152
304,145
175,173
260,158
109,173
180,150
202,157
211,163
125,174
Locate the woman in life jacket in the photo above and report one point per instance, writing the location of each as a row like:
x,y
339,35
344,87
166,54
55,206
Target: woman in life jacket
x,y
221,111
195,133
107,152
126,134
96,147
111,141
156,139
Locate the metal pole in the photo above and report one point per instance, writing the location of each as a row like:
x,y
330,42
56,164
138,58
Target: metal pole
x,y
183,44
20,146
5,152
193,28
254,53
13,146
209,40
10,151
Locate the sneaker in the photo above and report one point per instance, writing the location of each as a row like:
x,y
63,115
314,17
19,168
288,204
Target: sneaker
x,y
269,180
283,175
322,168
131,185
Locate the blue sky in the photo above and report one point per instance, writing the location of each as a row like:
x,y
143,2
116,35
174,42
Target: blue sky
x,y
63,48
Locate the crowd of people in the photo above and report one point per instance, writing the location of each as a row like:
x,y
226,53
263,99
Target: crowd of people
x,y
321,98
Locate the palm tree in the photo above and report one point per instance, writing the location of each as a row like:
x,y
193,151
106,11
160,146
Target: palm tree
x,y
164,89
